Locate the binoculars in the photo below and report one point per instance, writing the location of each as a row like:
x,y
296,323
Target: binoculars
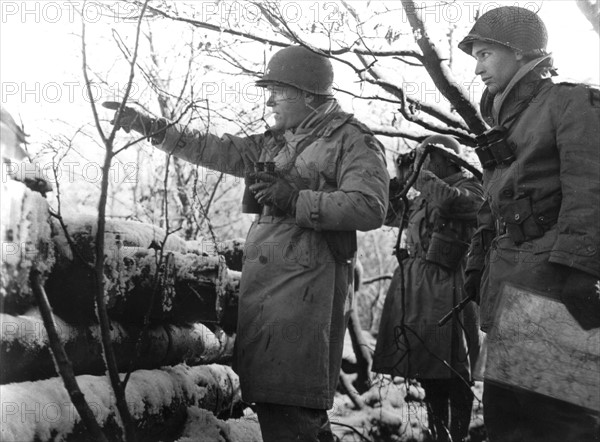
x,y
249,203
406,159
493,148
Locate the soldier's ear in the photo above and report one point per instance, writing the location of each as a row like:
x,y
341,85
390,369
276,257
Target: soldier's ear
x,y
308,97
519,56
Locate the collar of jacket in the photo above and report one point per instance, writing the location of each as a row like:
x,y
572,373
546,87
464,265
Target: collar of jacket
x,y
519,89
316,116
324,120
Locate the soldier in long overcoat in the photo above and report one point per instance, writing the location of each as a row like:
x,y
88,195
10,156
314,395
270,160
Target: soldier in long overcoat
x,y
330,180
426,286
539,227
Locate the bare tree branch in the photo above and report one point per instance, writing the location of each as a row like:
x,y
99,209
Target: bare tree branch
x,y
278,43
62,362
378,278
591,11
398,133
111,362
440,73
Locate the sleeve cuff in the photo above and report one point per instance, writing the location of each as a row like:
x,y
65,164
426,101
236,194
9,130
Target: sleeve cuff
x,y
308,209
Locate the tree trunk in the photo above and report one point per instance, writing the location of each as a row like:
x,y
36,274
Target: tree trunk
x,y
157,400
364,359
25,352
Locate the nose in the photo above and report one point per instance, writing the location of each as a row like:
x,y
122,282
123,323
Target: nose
x,y
270,101
479,69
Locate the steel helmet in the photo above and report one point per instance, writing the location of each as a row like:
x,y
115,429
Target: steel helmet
x,y
299,67
510,26
445,140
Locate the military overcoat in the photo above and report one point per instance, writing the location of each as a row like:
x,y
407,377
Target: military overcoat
x,y
409,342
297,271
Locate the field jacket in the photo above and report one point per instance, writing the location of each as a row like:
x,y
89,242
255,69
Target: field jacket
x,y
544,208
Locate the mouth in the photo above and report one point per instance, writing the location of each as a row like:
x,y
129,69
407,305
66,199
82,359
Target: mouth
x,y
486,80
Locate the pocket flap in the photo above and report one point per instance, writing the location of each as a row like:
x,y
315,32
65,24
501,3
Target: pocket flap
x,y
517,211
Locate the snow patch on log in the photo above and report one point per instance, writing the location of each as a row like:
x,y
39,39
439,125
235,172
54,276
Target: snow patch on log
x,y
30,331
203,426
117,233
25,350
186,287
26,241
43,411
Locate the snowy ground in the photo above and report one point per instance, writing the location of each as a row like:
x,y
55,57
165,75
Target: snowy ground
x,y
392,415
394,412
387,416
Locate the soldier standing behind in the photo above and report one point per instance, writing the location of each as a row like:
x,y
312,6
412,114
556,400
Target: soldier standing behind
x,y
539,225
425,287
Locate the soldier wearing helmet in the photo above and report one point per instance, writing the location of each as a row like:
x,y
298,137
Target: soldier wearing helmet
x,y
539,225
428,284
328,180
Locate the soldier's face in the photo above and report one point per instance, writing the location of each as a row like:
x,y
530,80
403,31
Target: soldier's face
x,y
439,165
289,106
496,65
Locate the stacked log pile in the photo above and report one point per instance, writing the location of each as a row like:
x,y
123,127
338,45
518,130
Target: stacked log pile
x,y
157,399
168,301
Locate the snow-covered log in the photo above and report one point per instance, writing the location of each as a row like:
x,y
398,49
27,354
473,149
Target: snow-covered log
x,y
180,287
25,350
25,233
117,233
157,400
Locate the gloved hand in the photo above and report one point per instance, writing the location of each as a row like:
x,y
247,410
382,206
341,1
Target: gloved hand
x,y
130,119
273,190
580,294
472,285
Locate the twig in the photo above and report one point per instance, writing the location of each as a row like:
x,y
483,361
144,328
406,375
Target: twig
x,y
378,278
278,43
62,362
